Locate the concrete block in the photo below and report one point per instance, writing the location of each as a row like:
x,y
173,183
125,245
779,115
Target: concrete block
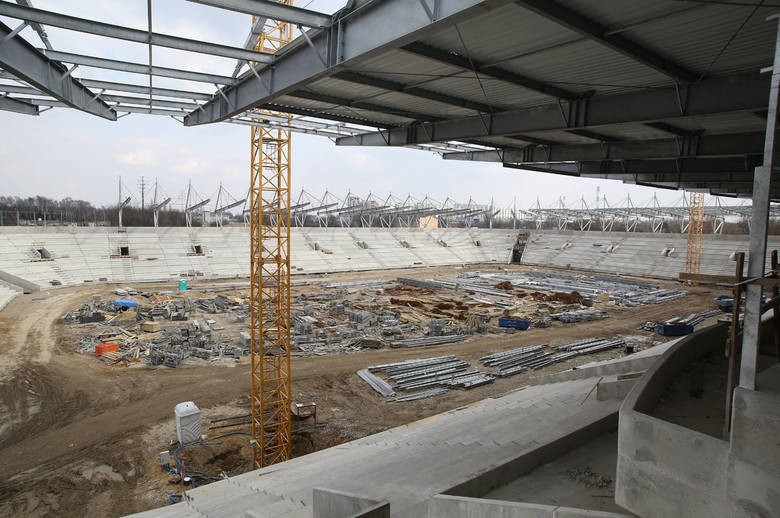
x,y
754,491
756,428
571,512
151,327
328,503
614,389
666,470
443,506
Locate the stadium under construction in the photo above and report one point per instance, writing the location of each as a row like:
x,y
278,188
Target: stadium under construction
x,y
326,356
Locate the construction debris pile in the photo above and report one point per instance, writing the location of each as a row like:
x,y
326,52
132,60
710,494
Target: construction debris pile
x,y
351,316
619,290
93,311
515,361
423,378
161,332
169,327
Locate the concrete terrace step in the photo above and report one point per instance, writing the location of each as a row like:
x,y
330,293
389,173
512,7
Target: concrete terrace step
x,y
409,464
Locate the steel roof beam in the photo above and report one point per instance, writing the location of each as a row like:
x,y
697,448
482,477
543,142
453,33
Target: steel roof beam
x,y
27,63
30,14
375,26
592,135
746,92
591,29
273,11
704,146
138,68
683,167
362,105
140,89
672,129
421,49
414,91
37,26
249,42
162,103
9,104
734,182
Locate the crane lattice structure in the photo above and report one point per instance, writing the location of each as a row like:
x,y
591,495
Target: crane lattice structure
x,y
269,231
695,230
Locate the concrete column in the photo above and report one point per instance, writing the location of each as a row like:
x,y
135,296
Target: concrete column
x,y
762,181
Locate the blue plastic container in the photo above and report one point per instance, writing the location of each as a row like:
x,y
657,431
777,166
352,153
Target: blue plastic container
x,y
674,329
514,323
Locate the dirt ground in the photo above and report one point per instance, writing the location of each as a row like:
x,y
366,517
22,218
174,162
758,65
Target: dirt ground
x,y
81,438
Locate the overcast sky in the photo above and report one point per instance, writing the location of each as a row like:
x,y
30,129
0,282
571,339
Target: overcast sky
x,y
64,152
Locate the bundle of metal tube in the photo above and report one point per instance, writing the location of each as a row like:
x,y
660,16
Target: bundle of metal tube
x,y
442,372
376,383
534,357
421,395
626,292
590,345
694,318
468,286
428,340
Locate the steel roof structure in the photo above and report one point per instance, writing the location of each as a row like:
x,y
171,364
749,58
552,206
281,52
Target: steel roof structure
x,y
666,93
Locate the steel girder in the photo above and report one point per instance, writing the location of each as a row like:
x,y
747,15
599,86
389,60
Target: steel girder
x,y
414,91
695,168
272,10
138,68
362,105
596,32
508,76
691,146
745,92
30,14
9,104
27,63
378,26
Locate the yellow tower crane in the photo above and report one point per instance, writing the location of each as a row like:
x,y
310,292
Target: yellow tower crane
x,y
695,230
269,231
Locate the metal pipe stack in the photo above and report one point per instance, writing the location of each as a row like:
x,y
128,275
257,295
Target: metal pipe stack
x,y
423,378
535,357
428,340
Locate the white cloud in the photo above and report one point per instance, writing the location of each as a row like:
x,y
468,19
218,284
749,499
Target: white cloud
x,y
189,167
140,157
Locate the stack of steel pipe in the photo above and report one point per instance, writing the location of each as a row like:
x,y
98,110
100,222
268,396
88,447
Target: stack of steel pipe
x,y
581,315
591,345
376,383
516,361
428,340
426,374
421,395
694,318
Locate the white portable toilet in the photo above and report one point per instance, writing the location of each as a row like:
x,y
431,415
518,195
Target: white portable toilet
x,y
187,422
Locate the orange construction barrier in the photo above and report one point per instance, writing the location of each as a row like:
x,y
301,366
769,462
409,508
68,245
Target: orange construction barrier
x,y
106,347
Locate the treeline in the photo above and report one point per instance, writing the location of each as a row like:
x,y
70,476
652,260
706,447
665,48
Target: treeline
x,y
39,210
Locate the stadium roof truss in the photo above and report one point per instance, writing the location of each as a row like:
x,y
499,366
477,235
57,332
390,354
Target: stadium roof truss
x,y
666,93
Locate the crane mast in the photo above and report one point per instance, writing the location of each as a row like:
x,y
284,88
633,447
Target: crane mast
x,y
269,202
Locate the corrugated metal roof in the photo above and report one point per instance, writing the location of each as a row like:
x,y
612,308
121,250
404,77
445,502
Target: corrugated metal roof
x,y
696,38
538,54
590,66
500,34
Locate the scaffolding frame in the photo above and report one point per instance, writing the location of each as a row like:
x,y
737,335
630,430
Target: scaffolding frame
x,y
695,231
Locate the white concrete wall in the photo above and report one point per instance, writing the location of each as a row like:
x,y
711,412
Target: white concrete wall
x,y
633,253
466,507
91,254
